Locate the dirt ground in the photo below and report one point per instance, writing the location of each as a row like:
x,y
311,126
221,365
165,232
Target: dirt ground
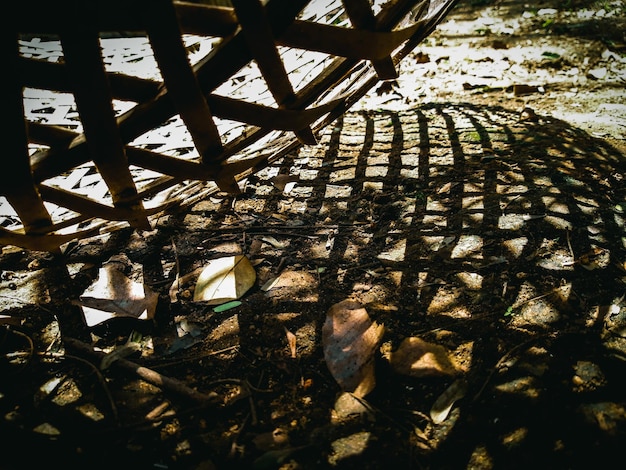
x,y
475,210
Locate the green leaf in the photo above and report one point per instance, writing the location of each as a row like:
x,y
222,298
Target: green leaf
x,y
227,306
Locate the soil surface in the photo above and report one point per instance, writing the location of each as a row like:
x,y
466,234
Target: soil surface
x,y
473,216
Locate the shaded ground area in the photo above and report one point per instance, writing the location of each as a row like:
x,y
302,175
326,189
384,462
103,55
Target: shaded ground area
x,y
472,216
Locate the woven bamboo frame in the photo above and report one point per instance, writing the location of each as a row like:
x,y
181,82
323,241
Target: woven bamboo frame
x,y
348,46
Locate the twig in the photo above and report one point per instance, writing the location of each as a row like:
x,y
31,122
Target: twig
x,y
281,232
505,358
31,346
146,374
509,203
177,261
103,383
194,358
569,244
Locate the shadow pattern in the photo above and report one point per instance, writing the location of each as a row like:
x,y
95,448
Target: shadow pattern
x,y
499,237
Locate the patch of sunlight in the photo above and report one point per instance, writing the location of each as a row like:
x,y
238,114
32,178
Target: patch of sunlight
x,y
395,252
445,160
473,202
352,249
473,187
307,339
446,302
515,438
263,190
226,334
348,446
410,160
378,160
515,246
585,204
438,242
511,189
607,416
554,205
329,206
511,222
342,175
472,281
50,385
373,185
537,312
481,459
466,246
300,284
47,429
318,250
393,276
68,392
307,174
435,205
559,222
90,411
437,220
526,386
410,172
542,181
378,171
302,191
337,191
471,220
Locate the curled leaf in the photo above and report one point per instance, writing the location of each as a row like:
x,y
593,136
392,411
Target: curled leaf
x,y
291,339
224,279
442,406
113,295
350,339
418,358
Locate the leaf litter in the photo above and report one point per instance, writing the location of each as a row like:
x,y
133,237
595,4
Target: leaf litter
x,y
460,350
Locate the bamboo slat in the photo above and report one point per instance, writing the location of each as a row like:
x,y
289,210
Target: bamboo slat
x,y
120,110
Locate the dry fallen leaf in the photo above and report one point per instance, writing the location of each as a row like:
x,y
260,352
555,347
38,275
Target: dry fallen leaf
x,y
113,294
418,358
224,279
291,339
350,339
442,406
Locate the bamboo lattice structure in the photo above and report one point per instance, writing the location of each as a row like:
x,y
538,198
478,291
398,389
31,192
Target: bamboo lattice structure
x,y
239,84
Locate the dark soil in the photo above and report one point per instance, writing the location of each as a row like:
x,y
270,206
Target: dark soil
x,y
462,212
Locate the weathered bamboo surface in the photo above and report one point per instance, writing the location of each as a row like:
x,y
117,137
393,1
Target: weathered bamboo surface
x,y
120,110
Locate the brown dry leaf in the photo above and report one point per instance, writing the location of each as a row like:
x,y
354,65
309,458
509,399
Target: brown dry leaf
x,y
418,358
291,339
224,279
442,406
350,339
113,294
